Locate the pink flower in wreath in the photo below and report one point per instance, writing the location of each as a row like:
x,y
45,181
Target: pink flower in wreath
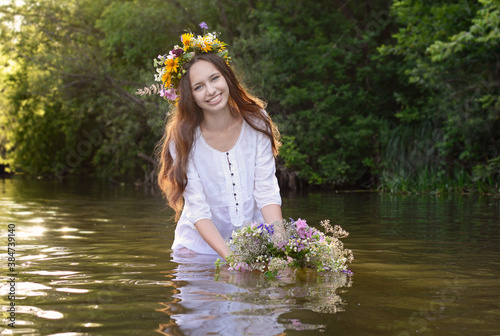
x,y
303,229
170,94
301,224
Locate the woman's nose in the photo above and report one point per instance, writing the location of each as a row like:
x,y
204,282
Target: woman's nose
x,y
210,90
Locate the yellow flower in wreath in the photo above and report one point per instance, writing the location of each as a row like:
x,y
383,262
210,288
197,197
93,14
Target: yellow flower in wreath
x,y
171,64
166,79
187,40
206,45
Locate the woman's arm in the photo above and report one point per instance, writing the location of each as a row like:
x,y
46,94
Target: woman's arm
x,y
212,236
199,211
266,190
271,213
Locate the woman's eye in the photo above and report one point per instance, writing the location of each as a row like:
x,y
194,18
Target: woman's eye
x,y
214,78
197,88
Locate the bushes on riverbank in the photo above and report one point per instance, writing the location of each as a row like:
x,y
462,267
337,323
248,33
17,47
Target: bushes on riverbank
x,y
395,95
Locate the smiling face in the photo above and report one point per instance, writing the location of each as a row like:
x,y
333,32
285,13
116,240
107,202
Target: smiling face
x,y
208,87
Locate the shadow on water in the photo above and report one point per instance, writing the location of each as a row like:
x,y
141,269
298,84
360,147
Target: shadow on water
x,y
94,259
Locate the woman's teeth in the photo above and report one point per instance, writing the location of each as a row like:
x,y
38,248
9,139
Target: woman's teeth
x,y
214,99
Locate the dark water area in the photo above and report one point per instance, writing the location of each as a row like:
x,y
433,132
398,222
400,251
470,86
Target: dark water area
x,y
93,258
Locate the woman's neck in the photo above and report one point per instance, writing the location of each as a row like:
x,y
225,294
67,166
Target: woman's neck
x,y
221,131
219,122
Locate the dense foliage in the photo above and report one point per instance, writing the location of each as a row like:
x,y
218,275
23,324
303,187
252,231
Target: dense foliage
x,y
401,95
448,129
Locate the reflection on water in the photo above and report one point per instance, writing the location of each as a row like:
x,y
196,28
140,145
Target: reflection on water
x,y
94,259
244,303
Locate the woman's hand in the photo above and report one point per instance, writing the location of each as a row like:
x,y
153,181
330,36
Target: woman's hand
x,y
212,236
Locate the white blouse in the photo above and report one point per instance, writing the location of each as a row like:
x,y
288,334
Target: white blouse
x,y
228,187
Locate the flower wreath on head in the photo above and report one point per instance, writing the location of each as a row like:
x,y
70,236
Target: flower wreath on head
x,y
169,67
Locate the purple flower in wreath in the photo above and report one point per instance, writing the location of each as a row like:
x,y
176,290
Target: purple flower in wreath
x,y
170,94
348,272
268,228
203,25
176,52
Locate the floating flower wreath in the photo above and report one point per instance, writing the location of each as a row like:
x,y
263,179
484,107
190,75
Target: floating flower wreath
x,y
273,247
169,67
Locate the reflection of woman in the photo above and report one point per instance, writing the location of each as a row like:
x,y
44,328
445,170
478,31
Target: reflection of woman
x,y
217,166
246,303
205,306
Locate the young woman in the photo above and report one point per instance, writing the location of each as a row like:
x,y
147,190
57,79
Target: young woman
x,y
217,157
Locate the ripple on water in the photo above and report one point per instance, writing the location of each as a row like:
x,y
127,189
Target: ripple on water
x,y
35,311
50,314
70,334
53,273
24,289
73,237
415,257
72,290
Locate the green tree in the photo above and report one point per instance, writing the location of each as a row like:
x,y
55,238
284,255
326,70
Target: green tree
x,y
408,96
449,53
315,63
69,99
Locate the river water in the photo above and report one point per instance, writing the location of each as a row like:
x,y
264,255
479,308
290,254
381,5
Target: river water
x,y
93,258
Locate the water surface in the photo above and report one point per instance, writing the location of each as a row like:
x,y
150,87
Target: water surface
x,y
93,258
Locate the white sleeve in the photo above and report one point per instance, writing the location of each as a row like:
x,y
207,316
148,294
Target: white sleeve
x,y
195,205
266,190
